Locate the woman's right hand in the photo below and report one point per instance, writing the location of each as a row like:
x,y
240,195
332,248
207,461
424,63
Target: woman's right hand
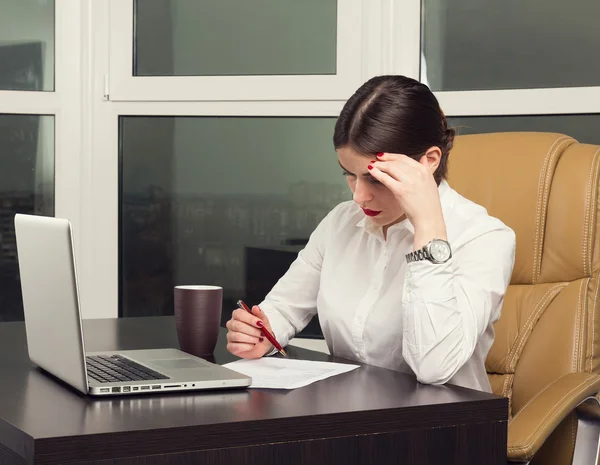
x,y
244,337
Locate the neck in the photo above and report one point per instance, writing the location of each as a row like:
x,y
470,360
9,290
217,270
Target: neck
x,y
387,226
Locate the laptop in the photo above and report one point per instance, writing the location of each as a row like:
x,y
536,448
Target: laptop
x,y
54,330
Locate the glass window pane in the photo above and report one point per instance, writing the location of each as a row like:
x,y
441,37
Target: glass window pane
x,y
584,128
470,44
219,200
26,186
235,37
27,45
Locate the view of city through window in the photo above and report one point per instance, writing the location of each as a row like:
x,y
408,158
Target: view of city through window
x,y
221,201
26,186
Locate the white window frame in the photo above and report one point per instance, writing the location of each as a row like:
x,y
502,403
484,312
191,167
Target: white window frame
x,y
64,104
124,86
506,102
556,101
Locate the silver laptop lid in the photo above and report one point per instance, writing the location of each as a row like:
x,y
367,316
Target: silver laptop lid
x,y
50,297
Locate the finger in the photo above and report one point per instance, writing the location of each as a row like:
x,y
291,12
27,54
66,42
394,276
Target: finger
x,y
402,168
386,156
384,178
400,158
414,168
243,315
403,160
256,310
239,348
391,168
235,336
238,326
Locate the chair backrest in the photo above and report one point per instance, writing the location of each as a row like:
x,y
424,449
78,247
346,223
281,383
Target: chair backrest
x,y
545,187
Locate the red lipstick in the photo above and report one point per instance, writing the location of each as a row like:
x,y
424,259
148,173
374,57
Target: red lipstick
x,y
371,212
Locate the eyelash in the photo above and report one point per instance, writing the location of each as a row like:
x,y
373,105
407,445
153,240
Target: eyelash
x,y
372,180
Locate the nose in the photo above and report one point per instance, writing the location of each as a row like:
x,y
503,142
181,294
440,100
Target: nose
x,y
362,193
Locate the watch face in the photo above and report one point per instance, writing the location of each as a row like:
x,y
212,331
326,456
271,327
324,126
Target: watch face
x,y
440,251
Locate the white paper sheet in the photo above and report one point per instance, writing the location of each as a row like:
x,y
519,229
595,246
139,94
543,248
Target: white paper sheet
x,y
285,373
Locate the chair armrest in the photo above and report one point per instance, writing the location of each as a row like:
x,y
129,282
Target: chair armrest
x,y
530,427
590,409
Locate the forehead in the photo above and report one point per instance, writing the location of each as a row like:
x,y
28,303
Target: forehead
x,y
349,157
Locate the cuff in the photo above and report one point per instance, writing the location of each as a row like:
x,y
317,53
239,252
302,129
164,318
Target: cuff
x,y
281,327
272,352
428,281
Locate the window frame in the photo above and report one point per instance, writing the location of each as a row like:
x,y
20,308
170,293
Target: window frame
x,y
124,86
504,102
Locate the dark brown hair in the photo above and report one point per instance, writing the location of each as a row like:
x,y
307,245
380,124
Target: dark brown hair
x,y
394,114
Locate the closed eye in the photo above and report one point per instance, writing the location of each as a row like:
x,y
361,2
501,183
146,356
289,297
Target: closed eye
x,y
372,180
367,176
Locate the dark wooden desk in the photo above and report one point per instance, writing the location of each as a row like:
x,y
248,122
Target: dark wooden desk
x,y
367,416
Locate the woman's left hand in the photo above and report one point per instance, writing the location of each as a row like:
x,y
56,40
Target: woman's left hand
x,y
415,189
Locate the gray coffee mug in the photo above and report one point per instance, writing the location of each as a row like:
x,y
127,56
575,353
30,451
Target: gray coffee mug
x,y
198,318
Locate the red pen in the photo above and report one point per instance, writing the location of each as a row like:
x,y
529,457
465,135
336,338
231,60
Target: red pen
x,y
264,330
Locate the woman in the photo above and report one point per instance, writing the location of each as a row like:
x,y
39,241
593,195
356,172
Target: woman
x,y
409,275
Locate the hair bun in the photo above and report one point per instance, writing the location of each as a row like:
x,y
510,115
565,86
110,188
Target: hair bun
x,y
447,139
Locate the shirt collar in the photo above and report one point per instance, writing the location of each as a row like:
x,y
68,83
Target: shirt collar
x,y
366,223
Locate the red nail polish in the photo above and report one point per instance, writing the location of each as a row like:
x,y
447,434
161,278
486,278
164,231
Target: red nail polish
x,y
380,154
261,339
373,161
259,324
370,167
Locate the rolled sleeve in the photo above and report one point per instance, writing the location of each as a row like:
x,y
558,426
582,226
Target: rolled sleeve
x,y
447,307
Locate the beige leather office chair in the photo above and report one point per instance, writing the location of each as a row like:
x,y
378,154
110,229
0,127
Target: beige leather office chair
x,y
546,355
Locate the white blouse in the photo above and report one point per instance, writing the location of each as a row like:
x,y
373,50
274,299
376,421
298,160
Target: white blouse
x,y
434,320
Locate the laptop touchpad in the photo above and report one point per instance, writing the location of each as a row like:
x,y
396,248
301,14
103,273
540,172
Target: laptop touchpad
x,y
178,363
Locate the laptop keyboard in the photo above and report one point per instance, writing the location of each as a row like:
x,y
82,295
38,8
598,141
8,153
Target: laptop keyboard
x,y
115,368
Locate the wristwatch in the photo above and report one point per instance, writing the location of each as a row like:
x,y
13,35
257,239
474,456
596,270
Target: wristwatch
x,y
437,251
